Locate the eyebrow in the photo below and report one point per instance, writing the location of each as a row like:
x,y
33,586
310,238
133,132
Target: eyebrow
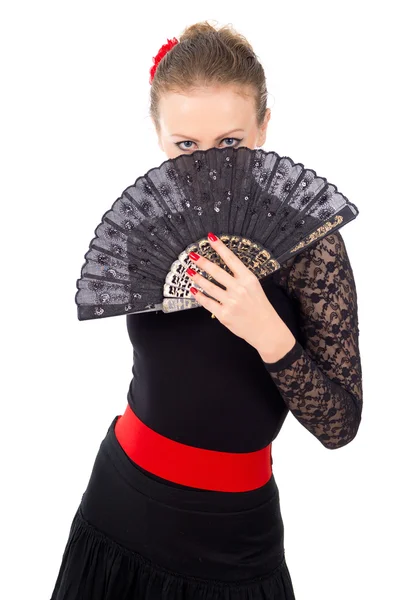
x,y
217,138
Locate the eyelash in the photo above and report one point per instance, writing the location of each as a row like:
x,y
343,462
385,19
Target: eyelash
x,y
228,138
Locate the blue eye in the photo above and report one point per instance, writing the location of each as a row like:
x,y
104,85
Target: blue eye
x,y
234,143
233,140
186,142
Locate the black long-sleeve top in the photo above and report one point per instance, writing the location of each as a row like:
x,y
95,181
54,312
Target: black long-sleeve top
x,y
196,382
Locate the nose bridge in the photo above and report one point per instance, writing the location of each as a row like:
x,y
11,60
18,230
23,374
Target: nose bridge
x,y
207,145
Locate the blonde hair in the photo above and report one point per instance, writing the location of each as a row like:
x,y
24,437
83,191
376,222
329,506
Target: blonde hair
x,y
206,56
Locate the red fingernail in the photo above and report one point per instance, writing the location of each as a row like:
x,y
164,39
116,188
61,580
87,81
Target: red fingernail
x,y
212,237
194,256
193,290
191,271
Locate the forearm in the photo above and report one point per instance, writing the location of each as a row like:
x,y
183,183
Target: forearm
x,y
322,406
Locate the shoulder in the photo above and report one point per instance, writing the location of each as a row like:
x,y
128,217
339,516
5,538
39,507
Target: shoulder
x,y
322,255
322,266
329,246
322,260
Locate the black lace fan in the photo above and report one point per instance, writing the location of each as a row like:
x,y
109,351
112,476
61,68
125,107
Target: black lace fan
x,y
264,207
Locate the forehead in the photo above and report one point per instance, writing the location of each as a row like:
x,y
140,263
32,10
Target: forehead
x,y
206,112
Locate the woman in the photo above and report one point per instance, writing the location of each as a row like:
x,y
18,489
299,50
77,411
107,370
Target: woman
x,y
182,502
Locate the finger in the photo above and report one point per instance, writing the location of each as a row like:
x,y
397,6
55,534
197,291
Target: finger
x,y
230,258
232,261
215,271
211,305
211,288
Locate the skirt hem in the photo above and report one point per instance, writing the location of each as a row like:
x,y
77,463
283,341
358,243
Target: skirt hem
x,y
152,566
87,571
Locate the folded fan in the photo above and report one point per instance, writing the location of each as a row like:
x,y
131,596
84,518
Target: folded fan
x,y
263,206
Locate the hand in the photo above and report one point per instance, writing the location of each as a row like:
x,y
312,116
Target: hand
x,y
243,306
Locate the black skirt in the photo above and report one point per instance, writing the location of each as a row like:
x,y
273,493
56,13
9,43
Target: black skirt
x,y
136,536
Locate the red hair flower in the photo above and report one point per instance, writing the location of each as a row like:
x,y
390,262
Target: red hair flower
x,y
162,52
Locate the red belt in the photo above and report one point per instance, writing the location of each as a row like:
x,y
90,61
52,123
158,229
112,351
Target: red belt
x,y
188,465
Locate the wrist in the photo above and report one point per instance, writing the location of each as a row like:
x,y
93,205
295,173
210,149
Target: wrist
x,y
274,340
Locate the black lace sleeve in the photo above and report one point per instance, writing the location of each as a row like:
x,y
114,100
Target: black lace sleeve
x,y
320,379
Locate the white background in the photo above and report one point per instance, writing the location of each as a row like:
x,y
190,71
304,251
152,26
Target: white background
x,y
75,132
